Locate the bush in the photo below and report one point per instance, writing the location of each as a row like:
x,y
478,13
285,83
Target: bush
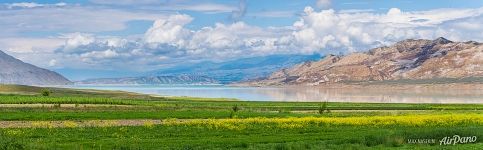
x,y
323,108
45,92
235,108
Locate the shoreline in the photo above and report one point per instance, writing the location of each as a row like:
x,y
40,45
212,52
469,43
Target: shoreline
x,y
463,86
340,93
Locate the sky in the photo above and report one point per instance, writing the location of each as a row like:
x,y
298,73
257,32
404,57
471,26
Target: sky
x,y
144,35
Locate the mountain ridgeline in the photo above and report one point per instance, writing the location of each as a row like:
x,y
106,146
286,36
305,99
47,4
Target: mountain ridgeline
x,y
181,79
212,72
405,60
240,69
14,71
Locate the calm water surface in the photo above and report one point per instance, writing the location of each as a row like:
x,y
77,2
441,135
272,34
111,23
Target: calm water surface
x,y
304,94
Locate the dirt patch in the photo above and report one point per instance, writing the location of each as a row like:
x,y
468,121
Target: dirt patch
x,y
82,123
388,111
60,106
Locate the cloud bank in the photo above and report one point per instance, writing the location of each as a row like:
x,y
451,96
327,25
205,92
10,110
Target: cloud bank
x,y
169,40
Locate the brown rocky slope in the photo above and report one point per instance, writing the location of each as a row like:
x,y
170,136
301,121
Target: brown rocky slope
x,y
408,59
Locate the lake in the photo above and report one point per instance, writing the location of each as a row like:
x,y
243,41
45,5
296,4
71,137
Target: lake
x,y
303,94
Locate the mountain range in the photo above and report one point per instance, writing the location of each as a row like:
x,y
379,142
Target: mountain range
x,y
181,79
240,69
405,60
212,72
410,59
14,71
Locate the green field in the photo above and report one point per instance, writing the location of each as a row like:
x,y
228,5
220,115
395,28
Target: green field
x,y
93,119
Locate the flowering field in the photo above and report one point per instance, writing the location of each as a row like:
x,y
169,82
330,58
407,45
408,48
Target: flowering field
x,y
373,121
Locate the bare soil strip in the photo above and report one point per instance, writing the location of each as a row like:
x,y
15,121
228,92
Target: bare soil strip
x,y
57,105
81,123
388,111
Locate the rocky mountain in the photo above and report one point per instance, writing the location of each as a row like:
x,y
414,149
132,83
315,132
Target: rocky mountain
x,y
14,71
182,79
408,59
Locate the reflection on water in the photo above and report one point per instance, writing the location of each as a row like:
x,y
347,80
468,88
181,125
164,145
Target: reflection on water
x,y
308,94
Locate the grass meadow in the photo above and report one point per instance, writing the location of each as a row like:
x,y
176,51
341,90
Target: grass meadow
x,y
92,119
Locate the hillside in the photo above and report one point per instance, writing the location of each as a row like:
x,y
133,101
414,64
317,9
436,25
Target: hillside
x,y
182,79
405,60
14,71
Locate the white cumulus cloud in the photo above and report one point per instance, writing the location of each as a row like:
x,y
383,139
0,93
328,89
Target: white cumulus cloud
x,y
77,39
169,31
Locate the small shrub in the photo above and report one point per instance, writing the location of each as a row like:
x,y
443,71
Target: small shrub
x,y
235,108
323,108
45,92
233,111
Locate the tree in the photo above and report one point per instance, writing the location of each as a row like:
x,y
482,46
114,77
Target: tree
x,y
45,92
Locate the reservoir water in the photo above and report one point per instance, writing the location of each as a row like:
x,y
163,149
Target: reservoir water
x,y
304,94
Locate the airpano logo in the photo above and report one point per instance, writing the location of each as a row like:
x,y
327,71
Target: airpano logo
x,y
456,139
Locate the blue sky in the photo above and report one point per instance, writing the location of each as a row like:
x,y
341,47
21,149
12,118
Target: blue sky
x,y
285,12
143,35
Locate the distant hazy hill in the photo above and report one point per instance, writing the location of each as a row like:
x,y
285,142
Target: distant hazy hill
x,y
182,79
240,69
408,59
14,71
84,74
211,72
